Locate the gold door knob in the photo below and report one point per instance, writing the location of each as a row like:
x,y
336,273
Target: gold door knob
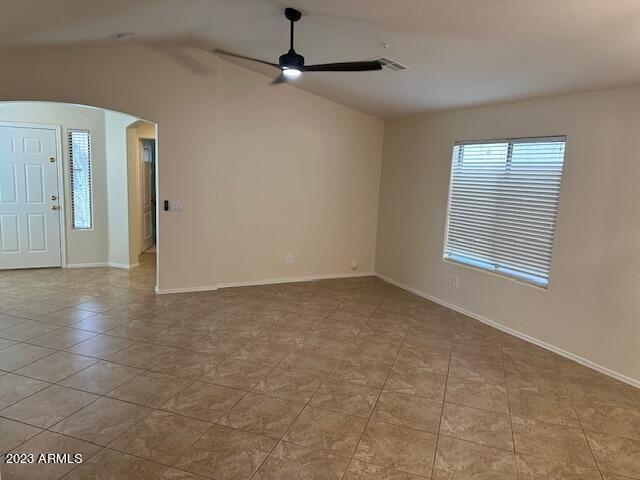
x,y
54,207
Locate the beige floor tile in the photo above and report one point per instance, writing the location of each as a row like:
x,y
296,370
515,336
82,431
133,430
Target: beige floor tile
x,y
175,474
66,317
100,346
348,398
289,385
111,465
403,449
102,421
9,321
237,374
352,371
477,394
101,378
611,420
543,405
263,415
187,364
48,406
150,389
367,471
262,352
322,429
532,467
424,359
310,363
32,310
551,441
99,323
616,455
13,433
137,329
176,337
478,369
416,382
161,437
295,462
368,351
62,338
46,443
226,454
333,343
4,343
14,388
56,367
26,330
21,354
142,355
491,429
218,345
459,460
204,401
408,411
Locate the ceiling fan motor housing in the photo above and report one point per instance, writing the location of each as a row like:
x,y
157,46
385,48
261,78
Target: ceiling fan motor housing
x,y
291,59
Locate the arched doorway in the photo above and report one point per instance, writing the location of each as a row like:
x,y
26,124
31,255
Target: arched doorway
x,y
73,192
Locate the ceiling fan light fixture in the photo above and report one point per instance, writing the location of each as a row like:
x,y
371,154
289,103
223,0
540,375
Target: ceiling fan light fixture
x,y
291,73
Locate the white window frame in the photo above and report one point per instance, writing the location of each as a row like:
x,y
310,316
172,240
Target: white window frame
x,y
495,271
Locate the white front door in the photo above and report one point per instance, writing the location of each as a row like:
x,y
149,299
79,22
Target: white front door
x,y
29,205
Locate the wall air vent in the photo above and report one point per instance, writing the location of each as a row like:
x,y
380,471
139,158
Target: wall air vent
x,y
392,65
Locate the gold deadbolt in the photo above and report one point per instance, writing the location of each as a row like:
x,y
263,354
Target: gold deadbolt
x,y
54,197
52,159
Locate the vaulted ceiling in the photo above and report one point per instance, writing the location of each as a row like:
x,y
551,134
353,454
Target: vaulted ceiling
x,y
459,52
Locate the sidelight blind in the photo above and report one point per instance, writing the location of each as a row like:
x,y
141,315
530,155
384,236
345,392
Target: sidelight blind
x,y
81,189
503,202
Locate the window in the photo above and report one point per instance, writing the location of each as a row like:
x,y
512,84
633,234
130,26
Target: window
x,y
503,201
80,166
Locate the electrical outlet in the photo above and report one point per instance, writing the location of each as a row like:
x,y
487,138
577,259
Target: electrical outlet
x,y
288,258
455,281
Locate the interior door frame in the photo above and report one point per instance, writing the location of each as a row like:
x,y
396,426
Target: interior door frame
x,y
141,196
57,129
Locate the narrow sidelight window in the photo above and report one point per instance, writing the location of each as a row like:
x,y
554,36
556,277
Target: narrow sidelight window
x,y
80,168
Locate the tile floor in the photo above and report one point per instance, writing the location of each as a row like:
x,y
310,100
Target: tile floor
x,y
340,379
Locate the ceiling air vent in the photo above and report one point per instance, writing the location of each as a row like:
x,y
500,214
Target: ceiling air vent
x,y
388,64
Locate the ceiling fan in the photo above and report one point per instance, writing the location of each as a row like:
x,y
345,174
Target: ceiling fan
x,y
291,64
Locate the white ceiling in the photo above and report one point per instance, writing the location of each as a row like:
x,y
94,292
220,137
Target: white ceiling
x,y
460,52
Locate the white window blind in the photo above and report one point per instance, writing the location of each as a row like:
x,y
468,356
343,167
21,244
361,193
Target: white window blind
x,y
503,202
80,166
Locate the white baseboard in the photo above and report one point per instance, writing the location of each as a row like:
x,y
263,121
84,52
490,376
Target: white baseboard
x,y
308,278
101,264
123,265
86,265
162,291
571,356
268,281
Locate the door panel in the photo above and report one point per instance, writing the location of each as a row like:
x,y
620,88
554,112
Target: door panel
x,y
29,226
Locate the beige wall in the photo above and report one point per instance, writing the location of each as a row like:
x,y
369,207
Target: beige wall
x,y
118,188
83,246
298,174
592,306
213,240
